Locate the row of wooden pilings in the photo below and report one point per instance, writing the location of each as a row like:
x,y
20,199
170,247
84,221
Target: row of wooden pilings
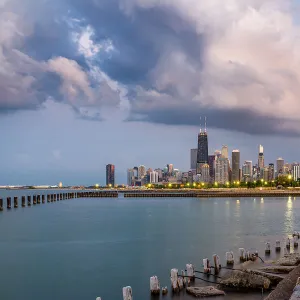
x,y
36,199
180,280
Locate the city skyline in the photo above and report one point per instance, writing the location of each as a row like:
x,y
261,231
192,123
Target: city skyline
x,y
79,91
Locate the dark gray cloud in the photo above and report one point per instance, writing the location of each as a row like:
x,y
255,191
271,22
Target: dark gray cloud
x,y
232,120
196,58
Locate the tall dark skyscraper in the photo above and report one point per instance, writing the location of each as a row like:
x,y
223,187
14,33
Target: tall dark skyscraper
x,y
110,175
235,165
202,154
211,163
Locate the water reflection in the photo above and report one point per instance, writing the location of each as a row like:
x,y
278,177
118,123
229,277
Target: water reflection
x,y
288,221
262,200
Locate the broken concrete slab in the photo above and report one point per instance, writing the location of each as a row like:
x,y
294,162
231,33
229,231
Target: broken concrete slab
x,y
245,280
206,291
278,269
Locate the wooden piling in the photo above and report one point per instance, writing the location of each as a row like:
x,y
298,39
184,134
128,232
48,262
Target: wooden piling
x,y
8,202
38,198
288,243
206,265
15,202
268,248
28,200
57,197
154,285
54,197
174,280
217,263
1,204
43,198
48,198
34,199
23,201
127,293
242,254
277,247
295,240
190,273
229,258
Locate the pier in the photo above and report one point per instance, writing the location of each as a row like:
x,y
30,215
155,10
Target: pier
x,y
40,198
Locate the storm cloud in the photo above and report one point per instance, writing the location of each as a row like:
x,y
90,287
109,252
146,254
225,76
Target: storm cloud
x,y
236,62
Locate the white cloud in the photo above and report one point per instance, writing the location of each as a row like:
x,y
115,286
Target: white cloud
x,y
250,56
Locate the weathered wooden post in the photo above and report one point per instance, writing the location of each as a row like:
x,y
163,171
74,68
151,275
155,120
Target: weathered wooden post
x,y
164,290
127,293
60,197
190,273
242,254
206,265
288,243
54,197
180,282
229,258
268,248
57,197
8,202
1,204
38,197
34,199
48,198
154,285
295,240
183,275
43,198
23,201
15,202
217,263
28,200
174,280
98,298
277,248
285,251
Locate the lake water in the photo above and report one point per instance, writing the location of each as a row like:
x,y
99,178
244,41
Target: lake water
x,y
82,248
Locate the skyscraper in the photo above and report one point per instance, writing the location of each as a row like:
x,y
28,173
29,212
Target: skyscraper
x,y
224,151
141,171
205,173
261,159
279,165
194,153
222,172
247,171
296,172
271,172
130,177
211,163
202,154
235,165
154,177
110,174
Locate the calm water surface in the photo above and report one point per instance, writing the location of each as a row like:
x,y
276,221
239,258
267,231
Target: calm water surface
x,y
82,248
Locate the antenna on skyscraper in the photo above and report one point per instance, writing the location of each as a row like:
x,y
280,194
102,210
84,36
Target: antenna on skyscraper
x,y
204,124
200,126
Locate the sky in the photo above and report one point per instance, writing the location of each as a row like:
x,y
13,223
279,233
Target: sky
x,y
84,83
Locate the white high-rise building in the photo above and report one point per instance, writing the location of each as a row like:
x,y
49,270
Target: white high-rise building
x,y
222,171
205,173
296,171
141,171
154,177
130,177
224,151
